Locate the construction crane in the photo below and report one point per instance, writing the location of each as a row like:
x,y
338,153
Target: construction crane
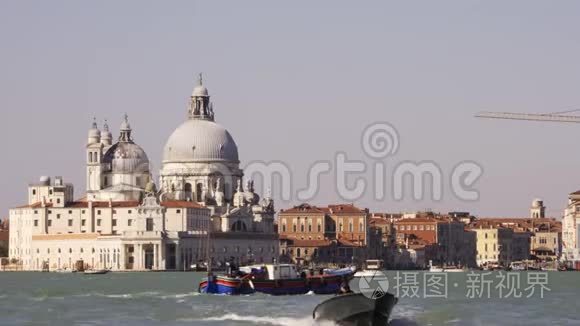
x,y
549,117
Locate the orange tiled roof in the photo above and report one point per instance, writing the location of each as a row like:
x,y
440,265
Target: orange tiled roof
x,y
345,209
305,209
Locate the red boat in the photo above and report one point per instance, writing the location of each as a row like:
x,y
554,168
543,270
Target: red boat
x,y
284,279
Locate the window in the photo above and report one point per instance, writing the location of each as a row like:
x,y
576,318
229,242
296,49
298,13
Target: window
x,y
99,212
360,227
83,222
350,227
414,228
69,212
70,222
114,211
57,216
49,211
35,212
129,222
83,211
98,222
49,222
421,227
50,192
130,212
35,222
58,200
319,228
294,228
149,226
340,228
178,211
114,222
283,227
34,191
301,227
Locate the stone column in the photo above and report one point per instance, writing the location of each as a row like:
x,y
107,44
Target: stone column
x,y
162,255
122,263
155,257
139,254
177,257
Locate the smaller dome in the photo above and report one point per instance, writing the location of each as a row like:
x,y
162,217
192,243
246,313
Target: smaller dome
x,y
94,133
127,158
200,90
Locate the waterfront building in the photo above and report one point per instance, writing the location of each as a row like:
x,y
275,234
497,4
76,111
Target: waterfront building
x,y
545,235
123,222
448,241
4,238
493,246
571,229
338,234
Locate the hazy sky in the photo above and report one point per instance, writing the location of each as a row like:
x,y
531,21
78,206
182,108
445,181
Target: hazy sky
x,y
297,82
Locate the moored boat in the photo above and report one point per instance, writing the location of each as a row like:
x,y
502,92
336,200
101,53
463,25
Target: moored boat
x,y
355,309
372,268
96,271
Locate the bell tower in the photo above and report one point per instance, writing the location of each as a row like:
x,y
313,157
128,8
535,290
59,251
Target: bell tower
x,y
538,210
94,158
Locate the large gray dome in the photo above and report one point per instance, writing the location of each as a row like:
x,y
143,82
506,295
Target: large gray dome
x,y
199,140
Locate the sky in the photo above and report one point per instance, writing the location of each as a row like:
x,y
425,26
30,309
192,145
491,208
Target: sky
x,y
297,83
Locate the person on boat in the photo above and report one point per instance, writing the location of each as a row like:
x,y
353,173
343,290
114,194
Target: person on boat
x,y
344,288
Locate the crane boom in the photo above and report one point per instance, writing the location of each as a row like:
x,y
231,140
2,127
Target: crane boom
x,y
529,116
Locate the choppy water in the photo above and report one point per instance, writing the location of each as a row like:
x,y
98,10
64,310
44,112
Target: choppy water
x,y
171,299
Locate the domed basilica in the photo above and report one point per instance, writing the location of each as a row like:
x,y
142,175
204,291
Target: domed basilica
x,y
199,211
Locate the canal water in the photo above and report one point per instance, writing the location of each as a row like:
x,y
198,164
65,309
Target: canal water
x,y
172,299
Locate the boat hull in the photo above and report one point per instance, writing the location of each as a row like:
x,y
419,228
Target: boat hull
x,y
325,284
225,285
356,310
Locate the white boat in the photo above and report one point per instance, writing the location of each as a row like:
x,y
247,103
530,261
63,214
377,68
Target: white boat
x,y
65,271
96,271
438,269
342,271
372,268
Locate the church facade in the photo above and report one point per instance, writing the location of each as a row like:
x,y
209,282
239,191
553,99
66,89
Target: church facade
x,y
125,222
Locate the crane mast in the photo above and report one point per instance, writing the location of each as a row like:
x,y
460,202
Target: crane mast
x,y
529,116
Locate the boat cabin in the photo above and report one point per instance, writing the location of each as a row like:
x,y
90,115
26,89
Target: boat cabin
x,y
374,265
273,271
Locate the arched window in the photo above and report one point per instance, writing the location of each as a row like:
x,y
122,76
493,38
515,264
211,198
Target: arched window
x,y
239,226
187,189
198,192
298,252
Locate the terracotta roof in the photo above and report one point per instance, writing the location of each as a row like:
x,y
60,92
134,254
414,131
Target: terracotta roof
x,y
418,220
331,209
344,209
347,243
379,221
519,224
304,209
180,204
35,205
